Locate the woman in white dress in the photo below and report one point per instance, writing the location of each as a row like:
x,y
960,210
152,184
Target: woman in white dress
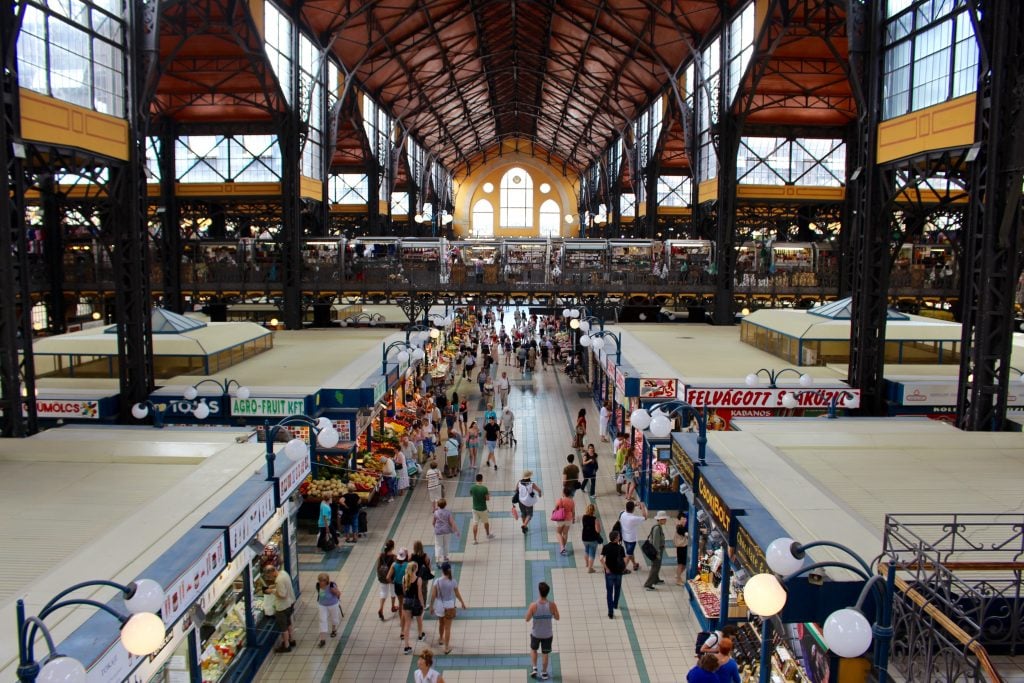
x,y
602,422
425,673
402,472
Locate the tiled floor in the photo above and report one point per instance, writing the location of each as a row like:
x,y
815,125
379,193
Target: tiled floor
x,y
651,639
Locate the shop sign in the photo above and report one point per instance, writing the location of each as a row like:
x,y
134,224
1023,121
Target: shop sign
x,y
267,407
937,393
221,584
115,664
657,388
344,428
175,636
292,477
180,595
246,526
745,397
750,553
620,381
714,503
379,389
68,409
184,408
268,530
609,366
682,462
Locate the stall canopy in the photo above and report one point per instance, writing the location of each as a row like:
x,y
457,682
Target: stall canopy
x,y
181,346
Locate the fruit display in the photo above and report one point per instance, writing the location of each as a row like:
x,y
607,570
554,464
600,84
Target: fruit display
x,y
321,488
707,596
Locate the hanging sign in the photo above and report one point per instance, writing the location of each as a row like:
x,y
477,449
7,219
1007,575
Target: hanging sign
x,y
713,503
290,480
187,588
746,397
750,553
246,526
657,388
267,407
379,389
682,462
68,409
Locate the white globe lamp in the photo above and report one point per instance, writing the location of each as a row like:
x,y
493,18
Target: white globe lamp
x,y
585,340
576,325
403,356
640,419
806,380
764,595
62,669
148,597
597,343
418,354
751,380
661,425
328,438
780,558
847,633
191,393
565,312
435,333
584,325
789,400
201,411
324,422
143,634
243,393
140,410
852,402
295,449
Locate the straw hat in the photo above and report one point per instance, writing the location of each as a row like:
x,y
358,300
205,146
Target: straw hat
x,y
527,474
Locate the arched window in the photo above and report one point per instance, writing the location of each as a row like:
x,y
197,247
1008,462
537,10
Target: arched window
x,y
550,219
516,199
483,219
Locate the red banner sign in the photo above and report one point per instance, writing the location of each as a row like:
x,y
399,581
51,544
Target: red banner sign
x,y
763,397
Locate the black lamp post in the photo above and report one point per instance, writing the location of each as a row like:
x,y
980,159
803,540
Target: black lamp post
x,y
322,430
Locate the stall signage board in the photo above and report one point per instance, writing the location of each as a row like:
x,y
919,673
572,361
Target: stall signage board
x,y
68,409
620,381
714,503
246,526
267,407
116,664
180,595
609,366
379,389
682,462
657,388
750,553
181,407
150,665
765,397
936,393
292,477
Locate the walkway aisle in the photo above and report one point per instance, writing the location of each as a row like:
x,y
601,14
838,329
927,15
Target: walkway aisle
x,y
650,639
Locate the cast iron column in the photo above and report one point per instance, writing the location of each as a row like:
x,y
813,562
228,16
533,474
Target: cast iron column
x,y
53,253
170,231
993,223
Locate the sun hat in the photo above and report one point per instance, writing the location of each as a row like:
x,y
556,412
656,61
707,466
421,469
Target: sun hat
x,y
403,554
527,474
661,515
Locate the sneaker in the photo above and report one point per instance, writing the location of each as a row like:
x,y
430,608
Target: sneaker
x,y
407,650
474,542
282,649
422,636
591,571
562,551
544,676
334,633
491,536
533,672
523,528
611,615
321,643
380,613
650,588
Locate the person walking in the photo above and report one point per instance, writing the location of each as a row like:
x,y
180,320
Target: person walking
x,y
543,613
425,673
503,386
491,431
657,539
602,420
350,504
422,560
402,472
571,474
444,527
480,495
590,468
728,670
435,484
412,606
564,516
473,443
591,536
508,424
442,603
681,540
328,600
580,432
613,561
390,477
630,522
325,539
526,495
279,588
386,587
704,671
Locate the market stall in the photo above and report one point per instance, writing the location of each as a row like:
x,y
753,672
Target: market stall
x,y
584,262
424,261
525,260
688,261
475,261
373,260
632,261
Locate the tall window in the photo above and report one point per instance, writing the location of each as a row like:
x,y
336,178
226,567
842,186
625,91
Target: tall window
x,y
516,199
483,219
278,36
674,190
550,219
73,51
707,109
778,161
741,47
349,188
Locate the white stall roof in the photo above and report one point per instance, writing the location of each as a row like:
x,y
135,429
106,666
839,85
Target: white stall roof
x,y
202,341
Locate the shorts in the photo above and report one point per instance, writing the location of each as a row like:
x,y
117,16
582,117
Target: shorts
x,y
491,445
349,527
630,547
525,511
681,556
481,516
387,590
590,547
283,618
542,644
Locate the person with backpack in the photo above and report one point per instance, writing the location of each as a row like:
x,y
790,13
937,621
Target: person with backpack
x,y
613,560
384,562
656,539
526,495
444,527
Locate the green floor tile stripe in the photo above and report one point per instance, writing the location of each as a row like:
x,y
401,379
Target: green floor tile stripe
x,y
357,611
485,663
331,562
634,641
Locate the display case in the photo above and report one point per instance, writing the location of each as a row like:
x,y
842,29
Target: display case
x,y
660,483
688,261
525,260
631,261
176,669
793,255
477,258
271,555
424,261
222,633
584,262
321,259
372,259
